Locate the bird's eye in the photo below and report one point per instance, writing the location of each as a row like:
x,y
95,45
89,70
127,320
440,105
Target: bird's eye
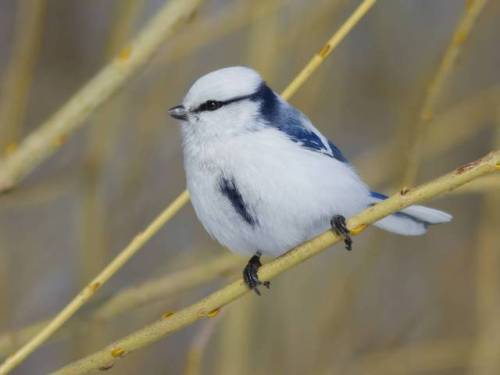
x,y
210,105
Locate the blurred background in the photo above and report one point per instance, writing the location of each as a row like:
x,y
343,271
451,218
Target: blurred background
x,y
402,305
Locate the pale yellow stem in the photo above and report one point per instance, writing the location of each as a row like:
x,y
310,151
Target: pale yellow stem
x,y
327,49
48,138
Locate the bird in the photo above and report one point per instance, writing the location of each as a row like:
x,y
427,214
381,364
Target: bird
x,y
263,179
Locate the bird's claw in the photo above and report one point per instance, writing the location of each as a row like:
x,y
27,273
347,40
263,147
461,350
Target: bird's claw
x,y
339,226
250,274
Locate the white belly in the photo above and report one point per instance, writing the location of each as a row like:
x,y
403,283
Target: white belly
x,y
291,192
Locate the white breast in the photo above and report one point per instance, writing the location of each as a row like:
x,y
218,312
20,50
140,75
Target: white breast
x,y
293,192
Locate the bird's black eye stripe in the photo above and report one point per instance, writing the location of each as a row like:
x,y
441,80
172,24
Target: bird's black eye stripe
x,y
210,105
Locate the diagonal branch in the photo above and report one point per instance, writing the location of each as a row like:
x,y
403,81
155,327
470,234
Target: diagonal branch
x,y
209,306
327,48
47,139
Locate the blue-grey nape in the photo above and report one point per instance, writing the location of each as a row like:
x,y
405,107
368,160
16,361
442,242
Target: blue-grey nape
x,y
230,190
291,122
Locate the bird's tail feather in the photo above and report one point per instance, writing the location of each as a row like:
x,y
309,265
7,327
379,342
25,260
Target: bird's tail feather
x,y
411,221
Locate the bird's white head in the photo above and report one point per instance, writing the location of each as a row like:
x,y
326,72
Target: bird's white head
x,y
222,103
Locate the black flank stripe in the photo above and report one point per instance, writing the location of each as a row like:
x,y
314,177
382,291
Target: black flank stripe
x,y
230,190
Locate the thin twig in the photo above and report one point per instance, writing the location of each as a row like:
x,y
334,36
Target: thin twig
x,y
329,46
418,133
48,138
207,306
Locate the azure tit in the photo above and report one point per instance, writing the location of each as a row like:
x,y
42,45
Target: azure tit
x,y
263,179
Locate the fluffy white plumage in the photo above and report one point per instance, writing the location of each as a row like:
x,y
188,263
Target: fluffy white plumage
x,y
261,176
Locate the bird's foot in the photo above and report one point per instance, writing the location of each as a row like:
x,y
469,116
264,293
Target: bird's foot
x,y
250,274
340,228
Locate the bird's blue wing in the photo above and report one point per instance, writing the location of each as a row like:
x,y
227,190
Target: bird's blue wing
x,y
282,116
310,140
304,137
300,130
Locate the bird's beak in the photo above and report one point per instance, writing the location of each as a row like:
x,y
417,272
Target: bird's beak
x,y
178,112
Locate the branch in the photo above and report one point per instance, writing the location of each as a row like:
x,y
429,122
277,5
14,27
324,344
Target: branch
x,y
47,139
327,49
210,305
